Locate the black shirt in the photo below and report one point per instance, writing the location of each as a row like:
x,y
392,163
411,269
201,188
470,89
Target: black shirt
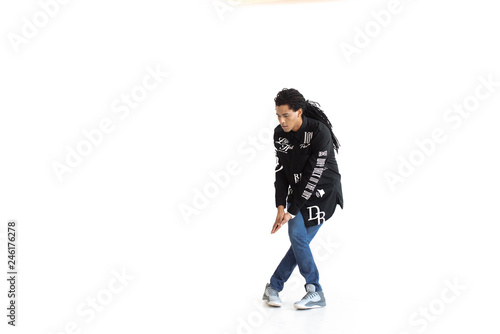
x,y
307,174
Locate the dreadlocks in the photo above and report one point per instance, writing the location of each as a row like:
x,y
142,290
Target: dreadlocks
x,y
295,100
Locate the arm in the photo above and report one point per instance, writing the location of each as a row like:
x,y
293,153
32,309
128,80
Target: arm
x,y
281,192
280,184
320,144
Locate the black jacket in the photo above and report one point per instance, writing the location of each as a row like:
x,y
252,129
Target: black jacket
x,y
307,175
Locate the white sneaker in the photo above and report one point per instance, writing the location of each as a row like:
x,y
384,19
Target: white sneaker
x,y
312,299
271,296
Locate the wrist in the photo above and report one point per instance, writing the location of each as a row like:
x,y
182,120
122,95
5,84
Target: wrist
x,y
293,209
291,215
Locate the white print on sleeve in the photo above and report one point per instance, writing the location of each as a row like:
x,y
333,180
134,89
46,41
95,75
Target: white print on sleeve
x,y
313,180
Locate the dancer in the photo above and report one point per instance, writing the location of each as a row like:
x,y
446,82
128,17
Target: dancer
x,y
307,190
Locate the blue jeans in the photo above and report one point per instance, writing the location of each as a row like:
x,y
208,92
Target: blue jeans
x,y
299,254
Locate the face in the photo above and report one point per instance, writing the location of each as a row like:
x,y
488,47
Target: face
x,y
288,118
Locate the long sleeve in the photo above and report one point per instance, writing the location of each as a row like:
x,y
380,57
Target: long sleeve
x,y
320,144
281,183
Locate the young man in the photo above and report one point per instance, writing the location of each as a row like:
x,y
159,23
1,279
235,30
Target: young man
x,y
307,187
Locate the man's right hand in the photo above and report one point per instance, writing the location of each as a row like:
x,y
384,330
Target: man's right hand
x,y
279,218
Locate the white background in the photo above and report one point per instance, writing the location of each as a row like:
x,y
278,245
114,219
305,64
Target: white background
x,y
384,257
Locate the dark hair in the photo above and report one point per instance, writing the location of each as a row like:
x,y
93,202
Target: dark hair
x,y
295,101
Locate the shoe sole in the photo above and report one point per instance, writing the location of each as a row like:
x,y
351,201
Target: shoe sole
x,y
275,304
304,307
